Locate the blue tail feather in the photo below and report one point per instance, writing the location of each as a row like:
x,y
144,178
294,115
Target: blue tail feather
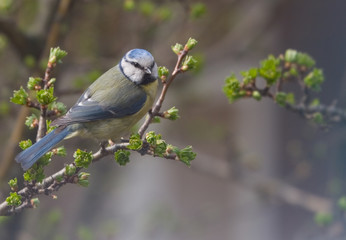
x,y
30,155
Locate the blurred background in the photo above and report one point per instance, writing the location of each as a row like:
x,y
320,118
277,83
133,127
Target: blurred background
x,y
261,171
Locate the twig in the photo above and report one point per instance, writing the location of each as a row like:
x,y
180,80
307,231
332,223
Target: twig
x,y
157,107
54,182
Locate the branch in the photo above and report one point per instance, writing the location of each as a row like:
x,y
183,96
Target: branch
x,y
54,182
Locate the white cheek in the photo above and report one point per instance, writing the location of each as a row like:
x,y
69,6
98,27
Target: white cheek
x,y
133,73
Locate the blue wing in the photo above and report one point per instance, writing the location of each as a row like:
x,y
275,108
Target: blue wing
x,y
87,109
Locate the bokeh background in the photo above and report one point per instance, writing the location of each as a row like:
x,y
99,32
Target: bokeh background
x,y
261,171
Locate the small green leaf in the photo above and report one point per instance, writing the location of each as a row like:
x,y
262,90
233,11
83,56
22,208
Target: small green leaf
x,y
189,63
35,202
171,114
232,88
13,184
20,96
70,170
191,43
291,55
280,98
177,48
305,59
58,107
14,199
185,155
156,119
249,76
314,79
122,157
151,137
135,142
45,96
164,13
290,98
25,144
270,69
60,151
34,83
31,121
83,179
257,95
82,158
163,73
56,54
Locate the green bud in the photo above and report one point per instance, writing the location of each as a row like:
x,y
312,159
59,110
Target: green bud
x,y
60,151
51,81
35,202
135,142
291,55
13,184
249,76
323,219
160,147
32,121
305,59
122,157
34,83
232,88
185,155
14,199
290,98
171,114
56,54
129,5
314,79
270,69
293,71
83,179
189,63
156,119
198,10
280,98
191,43
25,144
342,203
70,170
177,48
20,97
82,158
257,95
59,178
58,107
45,159
151,137
163,73
45,96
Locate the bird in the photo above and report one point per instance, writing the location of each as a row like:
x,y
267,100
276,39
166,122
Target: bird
x,y
108,109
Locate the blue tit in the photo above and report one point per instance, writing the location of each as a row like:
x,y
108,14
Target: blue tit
x,y
109,108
